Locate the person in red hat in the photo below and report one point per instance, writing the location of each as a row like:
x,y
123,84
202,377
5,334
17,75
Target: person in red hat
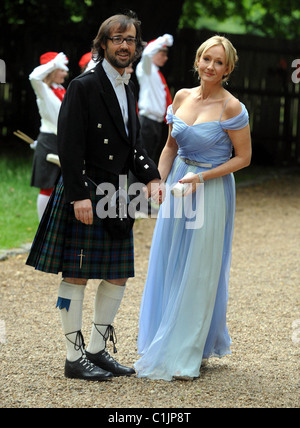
x,y
47,80
84,61
154,99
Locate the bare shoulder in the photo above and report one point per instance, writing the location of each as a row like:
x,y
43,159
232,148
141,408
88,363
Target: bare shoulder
x,y
180,97
233,108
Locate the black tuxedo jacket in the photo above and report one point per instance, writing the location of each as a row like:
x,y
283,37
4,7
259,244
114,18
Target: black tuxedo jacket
x,y
91,133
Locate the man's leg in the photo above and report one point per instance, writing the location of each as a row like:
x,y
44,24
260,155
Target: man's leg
x,y
107,302
70,302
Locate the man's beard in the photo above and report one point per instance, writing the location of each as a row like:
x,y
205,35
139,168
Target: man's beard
x,y
115,62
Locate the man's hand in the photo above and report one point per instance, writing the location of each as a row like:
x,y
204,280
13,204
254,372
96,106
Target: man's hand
x,y
83,211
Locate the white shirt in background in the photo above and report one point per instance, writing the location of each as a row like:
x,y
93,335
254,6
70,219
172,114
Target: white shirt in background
x,y
48,103
152,97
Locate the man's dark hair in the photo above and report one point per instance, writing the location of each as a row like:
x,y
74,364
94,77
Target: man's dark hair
x,y
122,21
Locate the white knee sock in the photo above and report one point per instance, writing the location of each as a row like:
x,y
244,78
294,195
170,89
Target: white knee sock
x,y
107,302
42,201
71,317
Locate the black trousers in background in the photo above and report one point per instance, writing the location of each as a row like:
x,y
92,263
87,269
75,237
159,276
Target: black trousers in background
x,y
154,136
151,133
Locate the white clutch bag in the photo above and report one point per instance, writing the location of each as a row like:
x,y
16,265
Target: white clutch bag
x,y
179,189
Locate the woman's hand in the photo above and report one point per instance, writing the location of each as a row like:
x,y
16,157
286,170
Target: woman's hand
x,y
193,182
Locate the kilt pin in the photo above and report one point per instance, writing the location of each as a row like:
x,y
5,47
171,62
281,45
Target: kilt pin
x,y
93,147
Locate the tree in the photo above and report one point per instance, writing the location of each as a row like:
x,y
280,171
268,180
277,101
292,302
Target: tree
x,y
157,16
28,28
271,18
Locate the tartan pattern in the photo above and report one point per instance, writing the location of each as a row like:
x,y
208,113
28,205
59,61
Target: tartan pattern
x,y
61,239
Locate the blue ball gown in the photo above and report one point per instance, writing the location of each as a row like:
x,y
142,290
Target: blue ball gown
x,y
184,303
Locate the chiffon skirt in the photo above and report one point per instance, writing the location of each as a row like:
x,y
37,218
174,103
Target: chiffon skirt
x,y
184,304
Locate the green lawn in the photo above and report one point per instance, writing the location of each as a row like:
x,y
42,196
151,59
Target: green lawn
x,y
18,212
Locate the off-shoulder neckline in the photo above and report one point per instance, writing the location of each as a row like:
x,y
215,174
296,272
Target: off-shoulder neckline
x,y
210,121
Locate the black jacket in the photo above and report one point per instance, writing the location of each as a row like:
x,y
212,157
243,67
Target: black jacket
x,y
91,133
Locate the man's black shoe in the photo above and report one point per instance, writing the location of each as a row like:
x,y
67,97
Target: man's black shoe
x,y
85,369
103,360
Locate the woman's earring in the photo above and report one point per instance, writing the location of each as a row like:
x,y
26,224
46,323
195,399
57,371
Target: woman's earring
x,y
224,77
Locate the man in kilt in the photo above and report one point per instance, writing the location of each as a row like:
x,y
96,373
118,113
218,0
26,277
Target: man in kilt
x,y
98,141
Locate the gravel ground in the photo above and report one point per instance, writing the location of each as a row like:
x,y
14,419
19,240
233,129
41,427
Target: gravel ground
x,y
263,319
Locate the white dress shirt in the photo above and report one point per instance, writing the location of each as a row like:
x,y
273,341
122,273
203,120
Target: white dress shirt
x,y
120,91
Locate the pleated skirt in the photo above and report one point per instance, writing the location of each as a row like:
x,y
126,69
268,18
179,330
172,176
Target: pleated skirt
x,y
44,174
184,304
64,244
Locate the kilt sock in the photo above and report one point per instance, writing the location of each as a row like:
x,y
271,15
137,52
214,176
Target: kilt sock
x,y
107,302
70,301
42,201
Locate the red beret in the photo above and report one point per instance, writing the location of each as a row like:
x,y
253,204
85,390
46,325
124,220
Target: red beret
x,y
85,59
163,48
48,56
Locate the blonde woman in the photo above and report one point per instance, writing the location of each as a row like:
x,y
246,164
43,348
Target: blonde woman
x,y
183,309
47,80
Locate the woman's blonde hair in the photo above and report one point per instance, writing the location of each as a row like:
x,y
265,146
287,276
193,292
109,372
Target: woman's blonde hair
x,y
230,53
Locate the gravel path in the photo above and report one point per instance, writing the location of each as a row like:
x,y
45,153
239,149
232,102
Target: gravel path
x,y
263,319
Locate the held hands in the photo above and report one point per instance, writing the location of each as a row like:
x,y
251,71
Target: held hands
x,y
156,190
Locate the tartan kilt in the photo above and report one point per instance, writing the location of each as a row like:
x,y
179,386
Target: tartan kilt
x,y
64,244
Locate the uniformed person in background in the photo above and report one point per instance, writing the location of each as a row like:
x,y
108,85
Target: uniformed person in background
x,y
47,80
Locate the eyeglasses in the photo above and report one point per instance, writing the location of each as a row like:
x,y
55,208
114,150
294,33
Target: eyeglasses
x,y
118,40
